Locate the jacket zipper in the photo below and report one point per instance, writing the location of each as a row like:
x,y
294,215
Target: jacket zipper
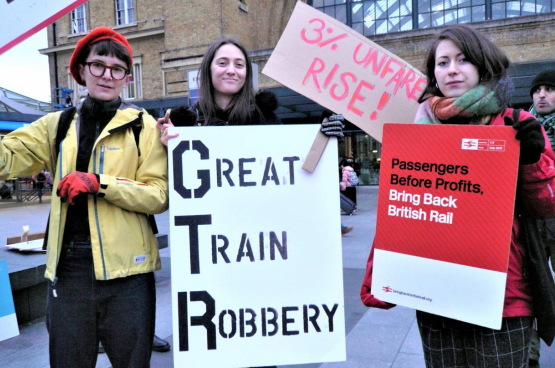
x,y
94,198
60,171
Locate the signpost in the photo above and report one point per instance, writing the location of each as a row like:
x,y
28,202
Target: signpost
x,y
21,19
256,248
445,212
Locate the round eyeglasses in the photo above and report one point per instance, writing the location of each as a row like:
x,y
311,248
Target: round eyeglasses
x,y
98,69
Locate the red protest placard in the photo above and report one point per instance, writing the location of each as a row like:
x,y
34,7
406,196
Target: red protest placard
x,y
330,63
445,212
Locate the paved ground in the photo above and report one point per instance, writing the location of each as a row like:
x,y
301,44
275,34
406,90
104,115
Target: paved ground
x,y
375,338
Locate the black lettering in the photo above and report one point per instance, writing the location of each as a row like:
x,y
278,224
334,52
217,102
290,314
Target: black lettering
x,y
261,245
204,320
225,173
285,321
330,314
183,321
291,161
250,322
243,172
272,322
233,324
245,242
274,242
203,175
270,166
394,179
313,319
193,222
221,249
178,170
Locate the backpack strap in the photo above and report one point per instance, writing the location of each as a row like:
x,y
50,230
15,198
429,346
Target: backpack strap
x,y
63,127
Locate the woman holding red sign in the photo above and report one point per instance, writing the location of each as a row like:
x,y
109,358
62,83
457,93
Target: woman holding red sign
x,y
468,84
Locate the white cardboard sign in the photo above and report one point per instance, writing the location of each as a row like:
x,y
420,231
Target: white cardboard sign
x,y
255,248
21,19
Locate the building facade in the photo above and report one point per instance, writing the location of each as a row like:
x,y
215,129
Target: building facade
x,y
169,37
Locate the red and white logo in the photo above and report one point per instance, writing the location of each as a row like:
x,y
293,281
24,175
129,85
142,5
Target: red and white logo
x,y
471,144
387,289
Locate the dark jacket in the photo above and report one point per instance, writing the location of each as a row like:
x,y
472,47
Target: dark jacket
x,y
261,114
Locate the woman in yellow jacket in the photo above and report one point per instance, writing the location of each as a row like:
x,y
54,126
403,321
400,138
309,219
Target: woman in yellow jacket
x,y
102,251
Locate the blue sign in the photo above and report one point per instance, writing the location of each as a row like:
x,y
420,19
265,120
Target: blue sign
x,y
12,125
8,320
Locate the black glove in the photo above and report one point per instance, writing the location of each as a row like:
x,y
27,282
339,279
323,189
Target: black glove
x,y
334,126
532,142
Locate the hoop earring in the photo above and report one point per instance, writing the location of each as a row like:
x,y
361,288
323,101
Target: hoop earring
x,y
437,86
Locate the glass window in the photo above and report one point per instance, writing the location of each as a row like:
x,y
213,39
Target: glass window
x,y
424,20
542,6
79,19
341,13
371,17
134,89
125,12
478,13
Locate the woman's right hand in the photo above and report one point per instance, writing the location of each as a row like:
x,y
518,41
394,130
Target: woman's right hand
x,y
163,124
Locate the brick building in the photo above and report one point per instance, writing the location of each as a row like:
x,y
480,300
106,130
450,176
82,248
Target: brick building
x,y
169,37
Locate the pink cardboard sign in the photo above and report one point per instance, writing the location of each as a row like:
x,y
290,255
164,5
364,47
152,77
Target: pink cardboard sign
x,y
330,63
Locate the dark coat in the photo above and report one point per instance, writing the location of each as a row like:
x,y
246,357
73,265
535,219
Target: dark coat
x,y
261,114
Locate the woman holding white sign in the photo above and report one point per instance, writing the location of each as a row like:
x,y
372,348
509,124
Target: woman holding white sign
x,y
468,84
227,95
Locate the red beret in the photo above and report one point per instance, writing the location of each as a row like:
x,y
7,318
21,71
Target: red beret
x,y
97,34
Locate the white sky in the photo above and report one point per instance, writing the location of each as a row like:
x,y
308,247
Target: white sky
x,y
24,70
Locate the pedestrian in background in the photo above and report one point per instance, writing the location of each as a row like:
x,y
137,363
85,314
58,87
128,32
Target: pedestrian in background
x,y
40,180
542,92
468,84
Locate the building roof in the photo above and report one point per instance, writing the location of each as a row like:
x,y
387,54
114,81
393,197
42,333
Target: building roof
x,y
14,102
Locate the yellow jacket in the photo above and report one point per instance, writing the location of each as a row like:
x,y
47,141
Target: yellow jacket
x,y
131,186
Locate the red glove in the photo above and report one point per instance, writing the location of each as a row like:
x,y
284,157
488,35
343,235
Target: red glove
x,y
76,183
367,298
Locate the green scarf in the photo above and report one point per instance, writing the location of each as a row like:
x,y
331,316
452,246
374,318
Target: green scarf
x,y
548,122
471,107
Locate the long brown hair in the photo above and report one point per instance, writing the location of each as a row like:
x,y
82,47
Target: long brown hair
x,y
242,102
491,62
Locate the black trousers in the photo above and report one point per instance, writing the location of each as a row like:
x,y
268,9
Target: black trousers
x,y
81,311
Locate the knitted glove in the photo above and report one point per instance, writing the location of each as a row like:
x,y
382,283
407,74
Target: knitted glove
x,y
334,126
532,142
76,183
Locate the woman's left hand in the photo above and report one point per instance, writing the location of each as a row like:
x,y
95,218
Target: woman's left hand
x,y
332,124
532,142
